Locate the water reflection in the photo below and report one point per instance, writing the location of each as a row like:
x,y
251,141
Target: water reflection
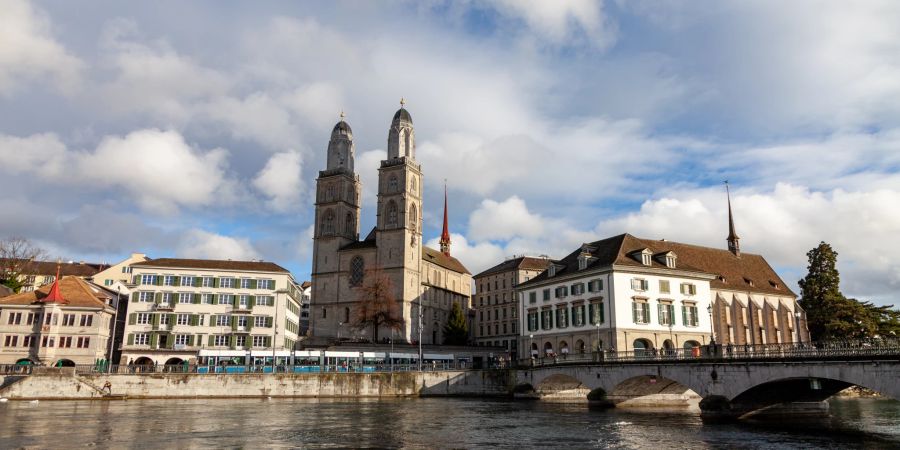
x,y
420,423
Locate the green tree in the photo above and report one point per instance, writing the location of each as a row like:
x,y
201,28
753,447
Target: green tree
x,y
456,331
16,257
831,315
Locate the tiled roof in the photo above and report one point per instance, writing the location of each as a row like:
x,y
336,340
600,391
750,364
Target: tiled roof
x,y
305,285
448,262
77,269
522,262
212,264
74,291
731,272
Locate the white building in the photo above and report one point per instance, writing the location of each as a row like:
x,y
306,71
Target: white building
x,y
180,306
119,272
626,293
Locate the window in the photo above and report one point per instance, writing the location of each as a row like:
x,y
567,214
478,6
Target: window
x,y
146,297
578,315
392,184
595,285
688,289
259,341
51,319
245,283
639,284
226,283
562,317
181,339
546,319
47,341
226,299
206,299
578,289
11,341
241,322
413,218
184,297
87,320
84,342
220,341
260,321
328,222
532,297
640,312
183,319
689,315
163,319
670,260
15,318
208,282
266,284
666,314
142,339
143,319
66,341
31,317
28,341
561,292
663,286
148,279
349,225
391,220
324,313
240,341
187,280
223,321
169,280
265,300
244,301
357,266
646,257
595,313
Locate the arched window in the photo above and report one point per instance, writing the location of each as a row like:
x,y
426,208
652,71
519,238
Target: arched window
x,y
350,195
346,315
406,148
392,184
349,226
413,217
412,184
357,267
329,193
328,222
391,214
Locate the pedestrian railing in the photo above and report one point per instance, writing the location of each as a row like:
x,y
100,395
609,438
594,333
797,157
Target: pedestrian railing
x,y
869,348
145,369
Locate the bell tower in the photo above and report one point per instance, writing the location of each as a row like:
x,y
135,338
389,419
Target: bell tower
x,y
399,222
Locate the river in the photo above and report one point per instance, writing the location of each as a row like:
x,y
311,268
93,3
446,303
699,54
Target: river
x,y
422,423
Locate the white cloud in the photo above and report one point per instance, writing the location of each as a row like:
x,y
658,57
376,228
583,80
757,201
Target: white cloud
x,y
39,152
281,181
201,244
504,220
476,257
28,49
559,20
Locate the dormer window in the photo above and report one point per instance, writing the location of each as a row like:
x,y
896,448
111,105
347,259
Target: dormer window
x,y
645,256
773,284
748,281
645,260
667,258
551,271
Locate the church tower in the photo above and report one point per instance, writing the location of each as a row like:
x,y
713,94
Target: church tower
x,y
398,228
734,242
337,217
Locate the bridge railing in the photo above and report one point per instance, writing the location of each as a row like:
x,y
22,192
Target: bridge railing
x,y
889,347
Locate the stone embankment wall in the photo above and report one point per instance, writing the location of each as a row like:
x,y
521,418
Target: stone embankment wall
x,y
63,385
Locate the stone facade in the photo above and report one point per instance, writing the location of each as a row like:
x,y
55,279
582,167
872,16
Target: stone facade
x,y
496,302
419,276
180,306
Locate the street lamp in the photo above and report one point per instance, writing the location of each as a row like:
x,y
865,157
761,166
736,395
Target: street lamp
x,y
797,315
531,345
712,332
340,324
599,347
112,337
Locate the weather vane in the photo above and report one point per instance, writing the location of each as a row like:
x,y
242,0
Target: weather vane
x,y
402,102
343,115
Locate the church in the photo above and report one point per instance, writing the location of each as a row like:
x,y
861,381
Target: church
x,y
421,277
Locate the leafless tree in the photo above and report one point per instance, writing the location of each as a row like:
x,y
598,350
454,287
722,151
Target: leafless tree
x,y
16,254
376,304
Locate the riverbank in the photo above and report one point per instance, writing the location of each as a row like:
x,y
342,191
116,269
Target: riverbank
x,y
64,384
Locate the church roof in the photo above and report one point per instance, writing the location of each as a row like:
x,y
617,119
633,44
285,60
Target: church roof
x,y
402,114
522,262
73,290
213,264
744,273
448,262
342,128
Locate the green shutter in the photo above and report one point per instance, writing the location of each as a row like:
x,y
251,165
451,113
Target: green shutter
x,y
132,318
249,323
154,320
196,299
215,282
252,301
191,340
177,281
268,341
212,340
173,299
157,297
214,298
234,323
602,316
130,339
134,297
269,322
659,313
634,312
158,280
172,321
154,338
253,284
194,320
232,341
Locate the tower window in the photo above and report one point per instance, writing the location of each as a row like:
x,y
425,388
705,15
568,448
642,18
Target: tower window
x,y
392,184
328,222
413,217
349,227
392,213
357,266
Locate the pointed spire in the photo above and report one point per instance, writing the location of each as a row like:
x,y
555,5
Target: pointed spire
x,y
445,235
734,245
55,296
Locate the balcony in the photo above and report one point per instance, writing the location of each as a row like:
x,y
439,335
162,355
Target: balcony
x,y
163,307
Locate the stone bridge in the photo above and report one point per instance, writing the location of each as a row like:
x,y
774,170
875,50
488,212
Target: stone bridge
x,y
729,388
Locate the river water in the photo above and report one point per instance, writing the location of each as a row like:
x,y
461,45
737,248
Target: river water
x,y
423,423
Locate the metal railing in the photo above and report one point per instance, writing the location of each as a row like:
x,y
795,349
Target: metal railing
x,y
145,369
868,348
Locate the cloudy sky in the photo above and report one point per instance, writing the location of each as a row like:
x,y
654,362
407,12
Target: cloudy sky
x,y
196,129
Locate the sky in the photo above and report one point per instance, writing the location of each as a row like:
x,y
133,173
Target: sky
x,y
197,129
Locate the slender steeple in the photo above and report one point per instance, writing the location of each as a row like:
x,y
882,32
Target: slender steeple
x,y
734,245
445,235
54,296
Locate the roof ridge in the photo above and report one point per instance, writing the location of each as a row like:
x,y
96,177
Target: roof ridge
x,y
694,245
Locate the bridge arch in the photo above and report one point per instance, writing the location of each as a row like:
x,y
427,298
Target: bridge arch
x,y
651,390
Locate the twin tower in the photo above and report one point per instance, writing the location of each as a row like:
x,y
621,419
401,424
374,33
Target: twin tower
x,y
342,261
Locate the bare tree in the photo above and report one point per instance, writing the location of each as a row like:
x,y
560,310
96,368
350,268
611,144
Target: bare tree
x,y
16,255
376,304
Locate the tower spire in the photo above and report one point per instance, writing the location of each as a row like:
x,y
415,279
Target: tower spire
x,y
734,245
445,235
54,296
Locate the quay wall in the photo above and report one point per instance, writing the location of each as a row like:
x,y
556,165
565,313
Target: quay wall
x,y
66,385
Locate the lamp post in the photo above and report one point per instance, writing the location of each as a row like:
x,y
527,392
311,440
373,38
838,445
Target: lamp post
x,y
712,332
797,316
340,324
112,337
419,307
530,345
599,346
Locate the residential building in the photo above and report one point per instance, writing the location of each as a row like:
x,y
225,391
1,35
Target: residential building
x,y
425,282
34,274
180,306
496,304
119,272
626,293
65,323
